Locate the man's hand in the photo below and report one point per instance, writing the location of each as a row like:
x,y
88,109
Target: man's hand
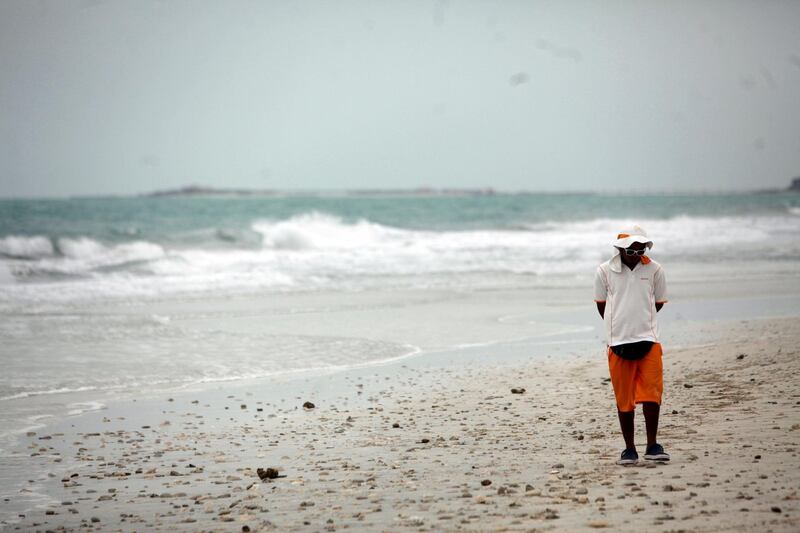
x,y
601,308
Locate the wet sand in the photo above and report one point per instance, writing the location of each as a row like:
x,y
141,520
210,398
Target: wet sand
x,y
428,446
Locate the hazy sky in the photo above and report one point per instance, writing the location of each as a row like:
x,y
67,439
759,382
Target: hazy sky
x,y
122,97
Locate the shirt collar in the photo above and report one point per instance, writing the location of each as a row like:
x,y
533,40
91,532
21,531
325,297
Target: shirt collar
x,y
616,262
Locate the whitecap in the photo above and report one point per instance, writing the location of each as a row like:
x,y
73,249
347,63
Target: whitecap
x,y
318,231
24,247
82,255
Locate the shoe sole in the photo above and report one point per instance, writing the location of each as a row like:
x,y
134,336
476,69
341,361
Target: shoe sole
x,y
662,458
626,462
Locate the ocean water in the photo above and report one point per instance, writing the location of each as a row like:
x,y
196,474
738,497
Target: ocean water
x,y
65,263
67,251
106,298
59,258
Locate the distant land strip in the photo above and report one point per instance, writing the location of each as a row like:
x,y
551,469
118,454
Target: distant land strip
x,y
197,190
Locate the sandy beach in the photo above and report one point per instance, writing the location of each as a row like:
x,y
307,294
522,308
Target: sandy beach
x,y
442,443
351,266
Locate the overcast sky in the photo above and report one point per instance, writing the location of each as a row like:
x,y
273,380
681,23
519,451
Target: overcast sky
x,y
121,97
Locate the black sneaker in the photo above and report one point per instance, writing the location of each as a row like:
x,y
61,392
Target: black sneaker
x,y
628,457
656,452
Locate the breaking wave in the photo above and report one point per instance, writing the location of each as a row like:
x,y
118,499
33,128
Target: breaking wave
x,y
21,247
315,250
319,231
34,257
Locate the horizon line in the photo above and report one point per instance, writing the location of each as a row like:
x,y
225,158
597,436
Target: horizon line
x,y
208,192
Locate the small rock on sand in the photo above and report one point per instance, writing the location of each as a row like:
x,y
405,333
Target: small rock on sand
x,y
308,405
269,473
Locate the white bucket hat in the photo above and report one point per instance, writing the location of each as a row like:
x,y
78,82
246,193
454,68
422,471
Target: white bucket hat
x,y
631,235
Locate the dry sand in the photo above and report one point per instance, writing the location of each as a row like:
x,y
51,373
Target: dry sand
x,y
413,448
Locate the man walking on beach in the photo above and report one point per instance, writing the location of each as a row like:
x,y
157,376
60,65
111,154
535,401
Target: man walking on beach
x,y
629,289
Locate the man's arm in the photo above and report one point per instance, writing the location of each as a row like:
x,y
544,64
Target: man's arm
x,y
600,291
659,288
601,308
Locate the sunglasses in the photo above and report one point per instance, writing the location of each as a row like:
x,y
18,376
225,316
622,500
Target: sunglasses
x,y
628,251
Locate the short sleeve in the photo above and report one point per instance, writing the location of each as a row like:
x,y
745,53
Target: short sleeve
x,y
660,286
600,287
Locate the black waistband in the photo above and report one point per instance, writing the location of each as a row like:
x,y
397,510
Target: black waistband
x,y
633,350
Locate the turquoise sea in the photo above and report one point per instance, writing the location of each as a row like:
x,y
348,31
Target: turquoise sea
x,y
147,247
98,294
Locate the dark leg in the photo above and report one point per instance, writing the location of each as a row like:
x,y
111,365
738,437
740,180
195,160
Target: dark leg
x,y
626,425
651,410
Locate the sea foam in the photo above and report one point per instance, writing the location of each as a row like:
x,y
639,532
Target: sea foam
x,y
317,250
317,231
17,246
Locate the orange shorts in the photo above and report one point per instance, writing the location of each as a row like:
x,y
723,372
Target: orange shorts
x,y
636,381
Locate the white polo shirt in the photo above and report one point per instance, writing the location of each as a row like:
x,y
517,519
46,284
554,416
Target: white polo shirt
x,y
630,297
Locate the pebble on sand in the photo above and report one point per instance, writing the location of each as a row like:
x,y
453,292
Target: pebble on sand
x,y
269,473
